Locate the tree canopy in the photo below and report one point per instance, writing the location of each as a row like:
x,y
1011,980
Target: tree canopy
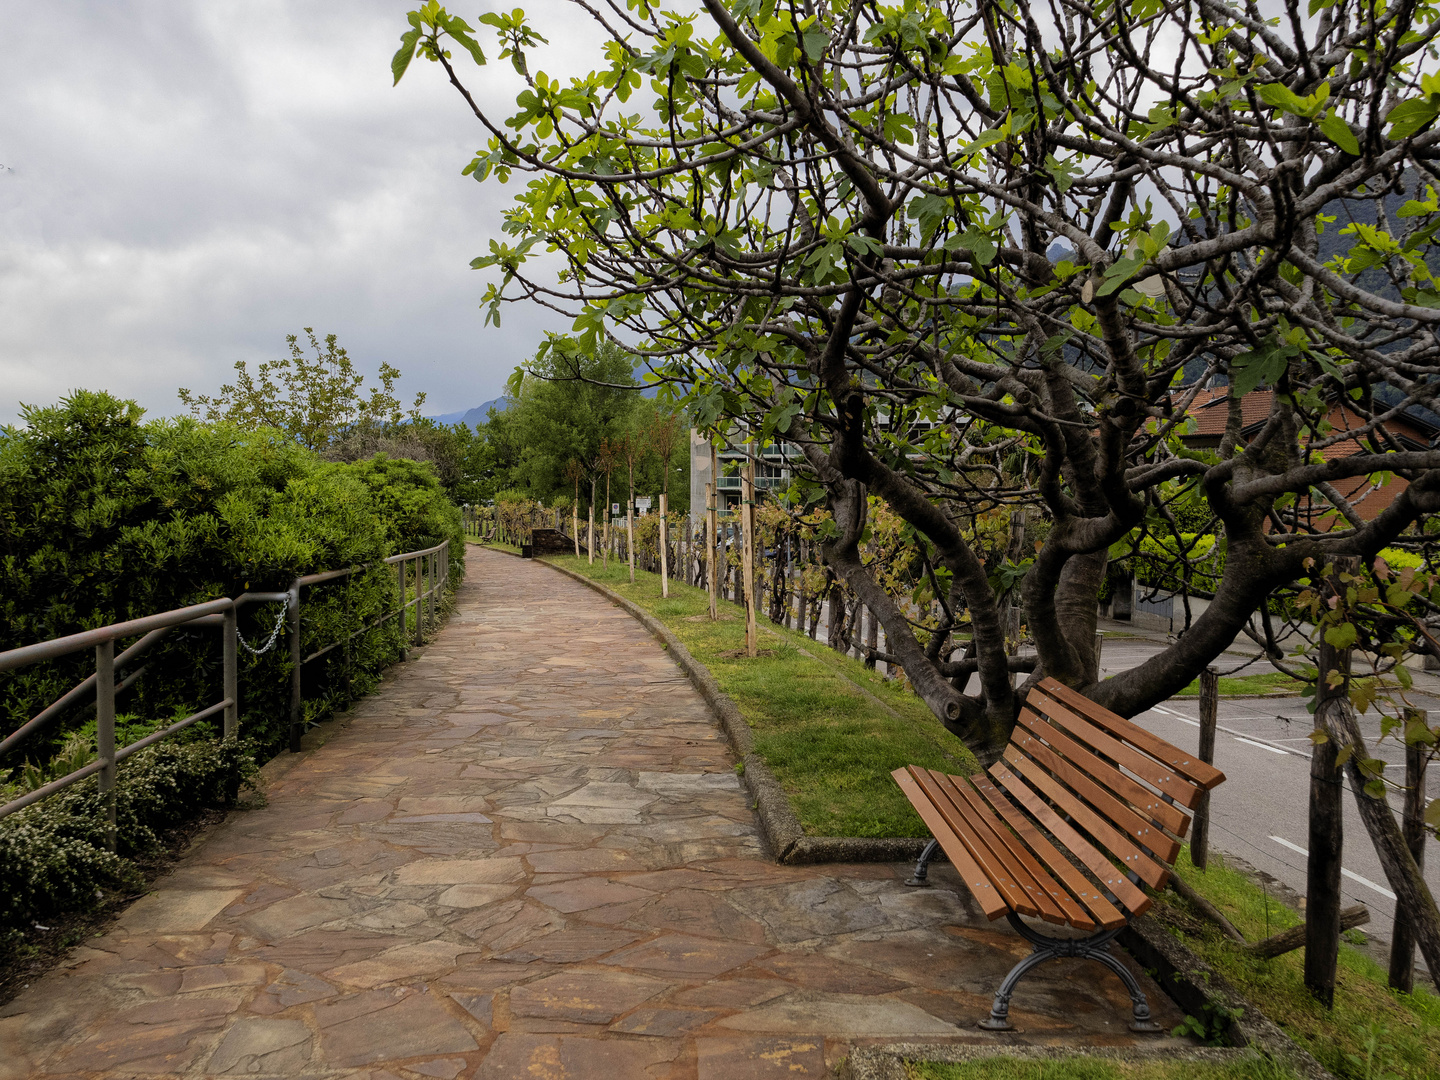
x,y
315,400
979,254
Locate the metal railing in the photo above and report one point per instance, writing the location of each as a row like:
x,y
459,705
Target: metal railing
x,y
429,570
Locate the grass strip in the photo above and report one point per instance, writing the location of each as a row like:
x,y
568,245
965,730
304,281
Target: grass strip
x,y
830,729
1081,1068
1372,1032
1269,682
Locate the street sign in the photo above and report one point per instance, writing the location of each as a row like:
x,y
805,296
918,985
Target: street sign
x,y
642,503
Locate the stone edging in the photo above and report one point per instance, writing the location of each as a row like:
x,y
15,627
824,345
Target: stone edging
x,y
782,828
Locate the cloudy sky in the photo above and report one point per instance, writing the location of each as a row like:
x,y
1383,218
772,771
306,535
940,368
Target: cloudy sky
x,y
183,184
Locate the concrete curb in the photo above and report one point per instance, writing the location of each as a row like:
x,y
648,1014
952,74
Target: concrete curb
x,y
782,828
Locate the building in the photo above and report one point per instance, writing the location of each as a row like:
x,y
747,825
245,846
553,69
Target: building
x,y
1412,430
772,470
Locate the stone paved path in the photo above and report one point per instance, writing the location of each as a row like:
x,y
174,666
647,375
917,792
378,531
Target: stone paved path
x,y
528,855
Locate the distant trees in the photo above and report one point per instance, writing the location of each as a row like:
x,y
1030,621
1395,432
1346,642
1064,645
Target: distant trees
x,y
568,405
316,401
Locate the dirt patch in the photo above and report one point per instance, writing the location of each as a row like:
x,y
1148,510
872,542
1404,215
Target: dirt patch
x,y
706,618
740,654
45,949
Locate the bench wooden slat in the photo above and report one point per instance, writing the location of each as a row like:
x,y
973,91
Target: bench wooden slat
x,y
1124,890
1180,788
1189,766
1000,874
1115,841
1103,913
1115,811
1061,907
986,895
1137,794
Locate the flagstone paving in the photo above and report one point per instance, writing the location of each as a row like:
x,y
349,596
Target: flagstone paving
x,y
529,855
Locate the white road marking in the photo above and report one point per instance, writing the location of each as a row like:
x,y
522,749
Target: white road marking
x,y
1348,873
1262,746
1175,715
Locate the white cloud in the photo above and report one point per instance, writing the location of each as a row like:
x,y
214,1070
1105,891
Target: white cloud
x,y
185,184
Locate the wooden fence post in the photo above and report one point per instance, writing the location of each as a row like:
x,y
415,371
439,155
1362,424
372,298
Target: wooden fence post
x,y
747,556
1322,873
712,581
1412,825
1209,708
664,547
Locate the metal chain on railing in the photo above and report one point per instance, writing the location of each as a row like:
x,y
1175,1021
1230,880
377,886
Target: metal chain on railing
x,y
274,633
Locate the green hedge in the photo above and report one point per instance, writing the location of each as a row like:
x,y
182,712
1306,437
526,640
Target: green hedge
x,y
54,855
105,517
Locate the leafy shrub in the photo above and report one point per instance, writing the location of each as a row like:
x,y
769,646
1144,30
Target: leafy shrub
x,y
53,854
104,517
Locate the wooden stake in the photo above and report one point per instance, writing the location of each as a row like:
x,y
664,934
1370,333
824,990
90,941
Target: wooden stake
x,y
575,526
590,536
712,539
1209,708
664,546
1412,826
1294,938
1322,873
747,557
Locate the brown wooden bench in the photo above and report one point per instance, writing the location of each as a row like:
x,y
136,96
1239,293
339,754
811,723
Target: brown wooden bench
x,y
1083,810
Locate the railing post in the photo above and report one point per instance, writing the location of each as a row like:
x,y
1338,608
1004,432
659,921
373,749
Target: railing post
x,y
295,711
105,731
419,610
346,647
229,630
404,637
434,576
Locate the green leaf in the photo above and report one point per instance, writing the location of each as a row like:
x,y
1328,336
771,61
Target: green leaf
x,y
987,138
1263,366
1119,274
1342,636
1409,117
815,39
1339,133
401,60
457,29
1281,97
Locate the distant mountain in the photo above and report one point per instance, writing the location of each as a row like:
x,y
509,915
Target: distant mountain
x,y
476,416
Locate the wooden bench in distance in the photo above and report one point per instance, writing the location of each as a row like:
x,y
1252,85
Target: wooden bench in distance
x,y
1083,809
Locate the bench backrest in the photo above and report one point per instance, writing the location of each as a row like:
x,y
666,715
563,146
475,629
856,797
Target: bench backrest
x,y
1066,746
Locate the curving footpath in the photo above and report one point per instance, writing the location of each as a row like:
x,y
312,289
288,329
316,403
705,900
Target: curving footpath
x,y
528,855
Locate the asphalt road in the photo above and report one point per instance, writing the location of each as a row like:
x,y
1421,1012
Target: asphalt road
x,y
1260,812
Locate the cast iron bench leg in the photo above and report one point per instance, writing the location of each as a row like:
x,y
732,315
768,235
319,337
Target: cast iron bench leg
x,y
922,865
1096,947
